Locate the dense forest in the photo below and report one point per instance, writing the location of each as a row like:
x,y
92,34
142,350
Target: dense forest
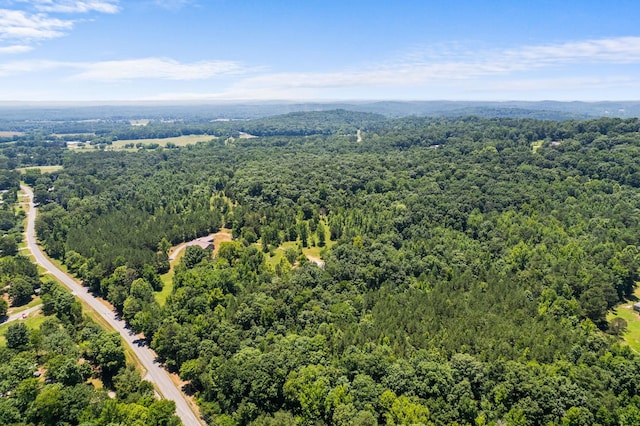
x,y
469,265
60,368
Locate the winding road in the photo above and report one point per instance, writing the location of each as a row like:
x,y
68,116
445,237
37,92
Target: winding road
x,y
156,374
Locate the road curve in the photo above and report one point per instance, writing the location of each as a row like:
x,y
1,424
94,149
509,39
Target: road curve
x,y
155,372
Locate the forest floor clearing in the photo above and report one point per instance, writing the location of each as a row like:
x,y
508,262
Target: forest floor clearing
x,y
313,254
625,311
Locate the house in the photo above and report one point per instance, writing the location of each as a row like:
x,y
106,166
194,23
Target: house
x,y
636,307
205,243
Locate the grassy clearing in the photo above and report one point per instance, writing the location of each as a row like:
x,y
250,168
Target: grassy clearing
x,y
43,169
10,134
221,236
120,145
33,321
275,256
536,145
167,281
626,312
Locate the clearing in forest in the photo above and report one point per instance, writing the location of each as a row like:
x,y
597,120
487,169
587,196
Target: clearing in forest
x,y
177,141
10,134
625,311
176,253
43,169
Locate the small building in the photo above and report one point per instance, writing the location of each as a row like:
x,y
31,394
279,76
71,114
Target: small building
x,y
636,307
205,243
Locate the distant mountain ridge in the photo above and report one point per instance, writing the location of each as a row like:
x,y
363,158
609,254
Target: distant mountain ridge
x,y
546,110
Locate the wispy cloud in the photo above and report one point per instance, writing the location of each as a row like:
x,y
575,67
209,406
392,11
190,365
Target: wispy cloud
x,y
25,27
39,21
453,66
156,68
70,6
13,49
621,50
22,67
145,68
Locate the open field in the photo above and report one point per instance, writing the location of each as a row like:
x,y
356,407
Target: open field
x,y
10,134
626,312
43,169
120,145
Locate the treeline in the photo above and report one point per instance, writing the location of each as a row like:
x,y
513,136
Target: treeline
x,y
472,265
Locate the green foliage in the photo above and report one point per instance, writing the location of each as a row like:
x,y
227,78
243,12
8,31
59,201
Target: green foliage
x,y
17,336
4,306
467,281
20,292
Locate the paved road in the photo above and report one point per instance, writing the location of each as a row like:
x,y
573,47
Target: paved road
x,y
19,315
155,373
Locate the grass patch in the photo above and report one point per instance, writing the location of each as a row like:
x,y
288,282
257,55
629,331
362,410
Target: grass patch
x,y
33,321
274,257
34,302
9,134
167,281
625,311
43,169
120,145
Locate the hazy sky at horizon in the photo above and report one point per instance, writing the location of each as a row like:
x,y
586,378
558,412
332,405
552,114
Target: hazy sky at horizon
x,y
319,50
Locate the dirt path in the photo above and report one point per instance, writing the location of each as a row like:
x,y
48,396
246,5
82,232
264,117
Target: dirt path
x,y
316,260
223,235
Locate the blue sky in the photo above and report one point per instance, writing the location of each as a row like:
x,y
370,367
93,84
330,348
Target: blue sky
x,y
64,50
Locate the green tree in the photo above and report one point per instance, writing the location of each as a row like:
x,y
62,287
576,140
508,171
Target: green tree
x,y
17,335
193,255
4,307
108,353
20,292
49,405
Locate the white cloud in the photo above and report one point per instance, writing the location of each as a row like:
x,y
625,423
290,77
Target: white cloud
x,y
17,48
621,50
156,68
26,27
144,68
22,67
70,6
452,66
19,25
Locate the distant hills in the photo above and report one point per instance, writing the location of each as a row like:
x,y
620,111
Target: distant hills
x,y
546,110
